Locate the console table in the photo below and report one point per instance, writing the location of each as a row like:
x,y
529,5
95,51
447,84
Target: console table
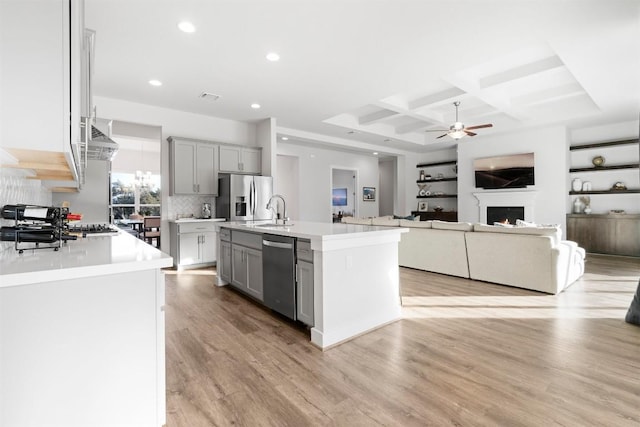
x,y
614,234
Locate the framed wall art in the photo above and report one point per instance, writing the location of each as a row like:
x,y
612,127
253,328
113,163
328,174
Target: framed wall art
x,y
369,194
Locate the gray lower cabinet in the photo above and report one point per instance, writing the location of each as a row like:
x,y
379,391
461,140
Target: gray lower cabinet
x,y
304,282
246,263
304,292
193,245
224,261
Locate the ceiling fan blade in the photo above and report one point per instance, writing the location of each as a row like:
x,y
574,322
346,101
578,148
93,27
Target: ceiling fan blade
x,y
436,130
488,125
442,136
470,133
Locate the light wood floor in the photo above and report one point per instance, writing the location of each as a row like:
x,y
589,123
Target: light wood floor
x,y
466,353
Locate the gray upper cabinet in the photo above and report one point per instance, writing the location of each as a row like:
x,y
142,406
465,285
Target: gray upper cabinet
x,y
237,159
193,167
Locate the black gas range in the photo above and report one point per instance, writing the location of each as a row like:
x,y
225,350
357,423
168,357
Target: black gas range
x,y
93,229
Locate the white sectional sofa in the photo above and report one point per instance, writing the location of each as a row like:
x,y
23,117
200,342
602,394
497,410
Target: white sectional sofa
x,y
526,257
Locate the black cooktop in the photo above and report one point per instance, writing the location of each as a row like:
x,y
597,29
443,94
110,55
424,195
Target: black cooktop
x,y
92,228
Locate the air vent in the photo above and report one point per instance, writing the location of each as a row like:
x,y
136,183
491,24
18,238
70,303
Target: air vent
x,y
209,96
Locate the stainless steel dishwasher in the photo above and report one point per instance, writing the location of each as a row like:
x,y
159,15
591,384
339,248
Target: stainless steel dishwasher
x,y
279,274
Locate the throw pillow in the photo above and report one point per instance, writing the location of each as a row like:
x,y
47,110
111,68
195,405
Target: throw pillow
x,y
501,224
408,217
521,223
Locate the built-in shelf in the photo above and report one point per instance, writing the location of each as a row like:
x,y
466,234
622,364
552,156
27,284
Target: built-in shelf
x,y
425,165
577,193
605,168
603,144
442,196
426,181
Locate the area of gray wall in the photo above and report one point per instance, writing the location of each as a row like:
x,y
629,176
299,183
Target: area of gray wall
x,y
286,183
387,185
315,165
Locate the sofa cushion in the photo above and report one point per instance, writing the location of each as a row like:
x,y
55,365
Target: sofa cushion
x,y
353,220
553,232
415,224
385,221
445,225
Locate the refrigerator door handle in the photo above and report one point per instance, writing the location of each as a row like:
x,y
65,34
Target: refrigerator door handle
x,y
251,200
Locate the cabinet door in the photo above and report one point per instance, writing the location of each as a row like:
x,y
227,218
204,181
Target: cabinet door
x,y
224,263
304,292
189,249
207,170
254,273
208,247
229,159
183,175
251,161
238,267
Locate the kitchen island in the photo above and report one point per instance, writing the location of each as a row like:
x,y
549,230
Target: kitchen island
x,y
355,275
82,333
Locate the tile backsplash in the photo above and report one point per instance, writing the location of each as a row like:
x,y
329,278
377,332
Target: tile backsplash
x,y
186,206
15,188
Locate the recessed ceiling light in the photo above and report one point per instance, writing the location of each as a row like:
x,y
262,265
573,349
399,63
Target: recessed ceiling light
x,y
187,27
255,106
285,138
155,82
375,153
273,57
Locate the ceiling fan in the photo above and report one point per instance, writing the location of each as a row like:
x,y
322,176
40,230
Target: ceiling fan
x,y
458,129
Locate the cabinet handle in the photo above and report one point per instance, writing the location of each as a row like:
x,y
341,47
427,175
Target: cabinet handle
x,y
194,188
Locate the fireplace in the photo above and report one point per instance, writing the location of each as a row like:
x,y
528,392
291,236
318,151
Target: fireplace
x,y
521,199
505,214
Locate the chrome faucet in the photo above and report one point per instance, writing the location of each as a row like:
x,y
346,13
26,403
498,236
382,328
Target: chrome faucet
x,y
284,208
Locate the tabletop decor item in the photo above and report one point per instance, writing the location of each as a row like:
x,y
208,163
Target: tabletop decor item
x,y
423,206
619,186
598,161
576,184
438,209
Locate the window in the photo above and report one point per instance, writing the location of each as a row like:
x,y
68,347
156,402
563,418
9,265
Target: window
x,y
128,196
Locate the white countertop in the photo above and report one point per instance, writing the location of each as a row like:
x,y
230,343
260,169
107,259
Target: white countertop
x,y
91,256
184,220
324,231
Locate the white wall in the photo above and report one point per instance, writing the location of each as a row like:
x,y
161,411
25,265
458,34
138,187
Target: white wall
x,y
178,123
315,178
550,147
287,185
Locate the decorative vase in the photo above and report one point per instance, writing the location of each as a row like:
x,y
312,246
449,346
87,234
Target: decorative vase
x,y
586,186
587,210
578,206
576,184
598,161
421,174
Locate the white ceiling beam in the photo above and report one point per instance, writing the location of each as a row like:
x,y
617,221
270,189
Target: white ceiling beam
x,y
521,71
436,98
376,116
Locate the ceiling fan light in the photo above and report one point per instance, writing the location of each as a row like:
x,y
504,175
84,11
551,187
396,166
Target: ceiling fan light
x,y
457,134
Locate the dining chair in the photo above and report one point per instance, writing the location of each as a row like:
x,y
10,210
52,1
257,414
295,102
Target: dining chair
x,y
151,230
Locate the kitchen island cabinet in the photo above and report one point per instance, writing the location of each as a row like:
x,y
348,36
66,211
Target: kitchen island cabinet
x,y
82,334
352,269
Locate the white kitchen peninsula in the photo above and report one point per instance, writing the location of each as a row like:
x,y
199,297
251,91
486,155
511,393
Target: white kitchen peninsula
x,y
355,274
82,334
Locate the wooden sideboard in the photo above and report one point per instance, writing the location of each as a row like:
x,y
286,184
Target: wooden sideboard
x,y
614,234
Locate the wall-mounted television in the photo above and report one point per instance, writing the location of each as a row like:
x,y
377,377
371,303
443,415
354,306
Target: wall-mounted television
x,y
339,197
512,171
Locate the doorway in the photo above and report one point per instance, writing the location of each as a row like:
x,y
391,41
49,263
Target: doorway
x,y
343,193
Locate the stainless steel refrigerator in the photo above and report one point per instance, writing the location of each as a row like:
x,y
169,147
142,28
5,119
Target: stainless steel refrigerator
x,y
244,197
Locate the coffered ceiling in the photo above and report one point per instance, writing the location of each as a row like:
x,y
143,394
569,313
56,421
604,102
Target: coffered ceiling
x,y
376,73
